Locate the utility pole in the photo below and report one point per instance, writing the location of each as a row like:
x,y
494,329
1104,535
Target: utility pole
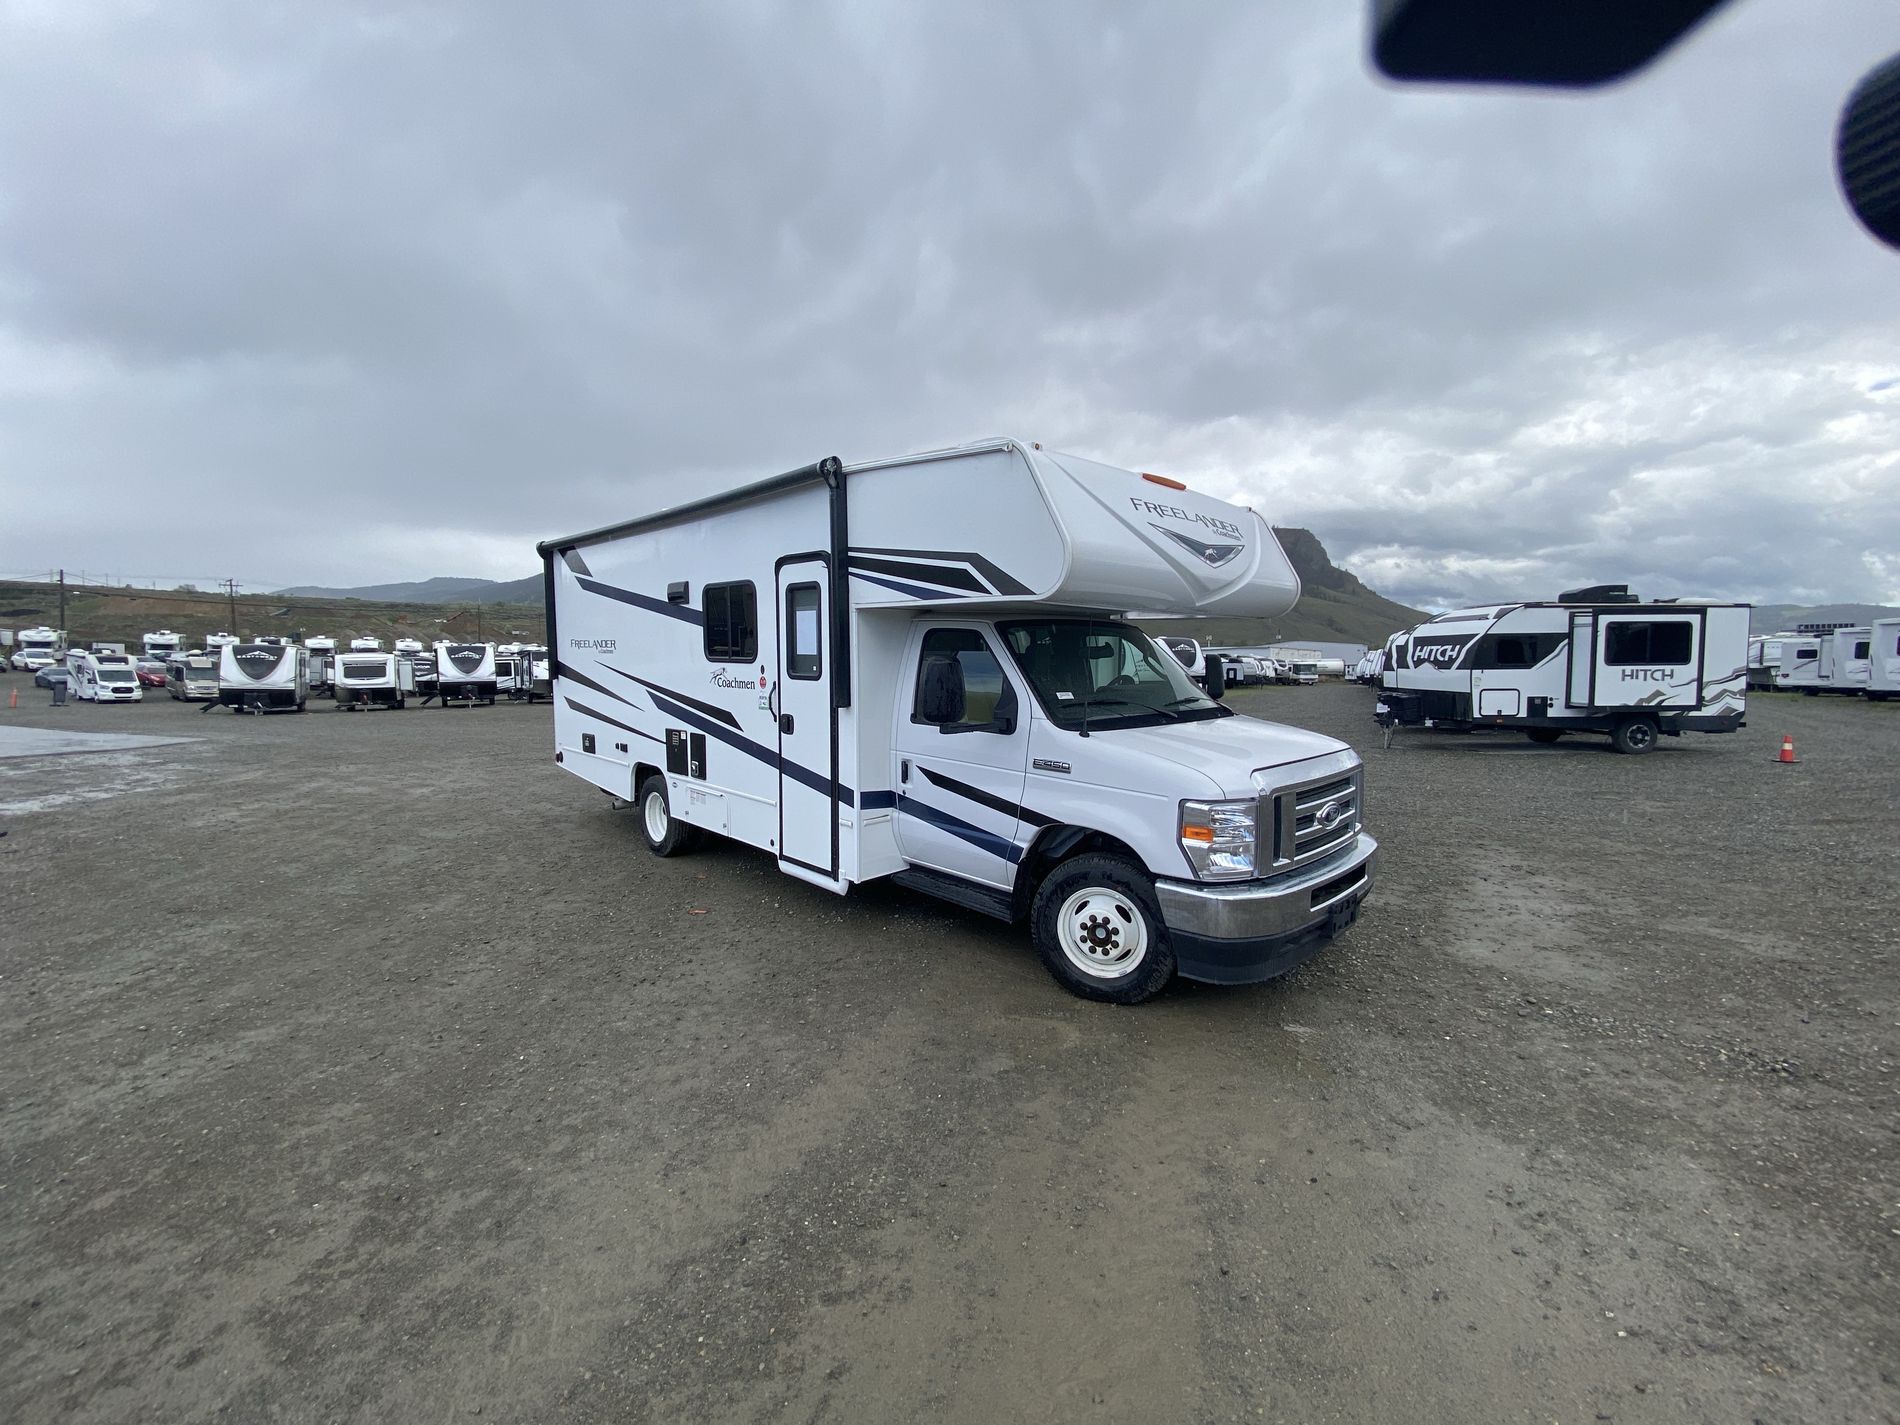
x,y
231,588
478,623
62,601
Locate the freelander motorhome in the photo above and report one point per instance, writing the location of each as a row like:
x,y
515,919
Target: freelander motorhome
x,y
1883,661
263,677
925,669
1596,660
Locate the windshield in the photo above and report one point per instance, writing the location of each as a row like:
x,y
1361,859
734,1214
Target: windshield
x,y
1104,673
115,675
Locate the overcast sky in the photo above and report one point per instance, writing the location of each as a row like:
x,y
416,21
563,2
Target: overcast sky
x,y
341,294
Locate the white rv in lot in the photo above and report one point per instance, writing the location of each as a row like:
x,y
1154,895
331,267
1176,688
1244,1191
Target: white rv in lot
x,y
534,674
924,669
162,644
372,678
36,648
1597,660
1819,658
263,677
465,673
1883,659
103,678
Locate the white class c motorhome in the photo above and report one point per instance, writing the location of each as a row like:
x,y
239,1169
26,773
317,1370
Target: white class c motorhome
x,y
465,673
1883,661
924,669
36,648
263,677
103,678
1596,660
162,644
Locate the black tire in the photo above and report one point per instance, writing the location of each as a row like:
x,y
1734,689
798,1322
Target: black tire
x,y
679,836
1125,892
1635,736
1545,735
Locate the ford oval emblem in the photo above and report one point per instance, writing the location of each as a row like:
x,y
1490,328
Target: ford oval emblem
x,y
1328,817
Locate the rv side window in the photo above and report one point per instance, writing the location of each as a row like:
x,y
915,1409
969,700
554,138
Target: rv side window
x,y
732,623
1667,644
1513,650
802,657
1862,648
984,687
1804,653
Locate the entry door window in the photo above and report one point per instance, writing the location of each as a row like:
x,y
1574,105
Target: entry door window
x,y
804,649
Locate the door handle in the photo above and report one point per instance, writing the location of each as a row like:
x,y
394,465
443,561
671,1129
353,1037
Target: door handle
x,y
785,724
903,770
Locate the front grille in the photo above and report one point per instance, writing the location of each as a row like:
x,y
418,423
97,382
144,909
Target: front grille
x,y
1312,819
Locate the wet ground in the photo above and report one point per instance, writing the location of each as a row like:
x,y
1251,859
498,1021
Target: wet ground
x,y
366,1067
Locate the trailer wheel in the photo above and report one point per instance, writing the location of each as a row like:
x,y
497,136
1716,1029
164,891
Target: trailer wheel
x,y
1543,734
664,836
1635,736
1098,931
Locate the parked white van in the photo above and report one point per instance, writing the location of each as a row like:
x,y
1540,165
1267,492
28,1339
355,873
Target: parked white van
x,y
924,669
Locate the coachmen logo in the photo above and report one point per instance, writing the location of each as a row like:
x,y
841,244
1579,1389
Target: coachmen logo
x,y
467,657
257,661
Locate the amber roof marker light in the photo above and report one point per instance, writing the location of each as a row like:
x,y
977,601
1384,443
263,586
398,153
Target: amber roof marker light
x,y
1163,480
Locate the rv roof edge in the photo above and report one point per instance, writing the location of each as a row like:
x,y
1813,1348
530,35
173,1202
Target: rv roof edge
x,y
827,469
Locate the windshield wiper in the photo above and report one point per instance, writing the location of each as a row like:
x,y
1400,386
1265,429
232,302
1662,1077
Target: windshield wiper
x,y
1086,703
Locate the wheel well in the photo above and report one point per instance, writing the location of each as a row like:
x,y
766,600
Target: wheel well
x,y
1054,845
641,771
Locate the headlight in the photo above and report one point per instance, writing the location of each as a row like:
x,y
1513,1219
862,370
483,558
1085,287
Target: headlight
x,y
1218,838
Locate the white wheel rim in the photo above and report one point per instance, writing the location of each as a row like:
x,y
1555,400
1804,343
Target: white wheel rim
x,y
655,812
1104,934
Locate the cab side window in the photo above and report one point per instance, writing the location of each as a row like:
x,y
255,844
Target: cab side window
x,y
989,703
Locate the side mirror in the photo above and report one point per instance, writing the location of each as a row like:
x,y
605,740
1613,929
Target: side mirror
x,y
941,700
1216,676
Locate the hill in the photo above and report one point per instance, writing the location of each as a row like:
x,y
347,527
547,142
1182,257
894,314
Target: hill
x,y
1334,606
1774,618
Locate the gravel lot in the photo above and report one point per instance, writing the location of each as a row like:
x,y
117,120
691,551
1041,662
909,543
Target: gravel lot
x,y
367,1068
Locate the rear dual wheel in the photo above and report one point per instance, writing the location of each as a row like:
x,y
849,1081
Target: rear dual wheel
x,y
664,835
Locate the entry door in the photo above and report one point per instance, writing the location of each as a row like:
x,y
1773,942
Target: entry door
x,y
807,770
960,787
1582,656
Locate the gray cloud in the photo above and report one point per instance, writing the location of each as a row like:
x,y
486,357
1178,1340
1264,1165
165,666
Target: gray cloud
x,y
407,287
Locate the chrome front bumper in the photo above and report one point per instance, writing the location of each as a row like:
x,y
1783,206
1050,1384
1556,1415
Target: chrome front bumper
x,y
1248,931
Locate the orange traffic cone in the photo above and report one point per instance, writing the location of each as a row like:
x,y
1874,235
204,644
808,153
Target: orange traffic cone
x,y
1787,749
13,698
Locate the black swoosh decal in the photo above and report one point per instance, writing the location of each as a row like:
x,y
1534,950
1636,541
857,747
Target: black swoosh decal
x,y
562,670
950,576
1216,554
643,601
987,799
611,721
804,776
704,709
1000,581
573,560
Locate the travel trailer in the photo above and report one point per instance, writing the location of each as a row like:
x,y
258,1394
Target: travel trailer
x,y
366,644
322,653
507,665
1819,659
925,669
1596,660
1764,660
1302,663
1846,655
1883,664
372,679
36,648
263,677
192,680
216,641
1189,654
162,644
465,673
103,678
534,675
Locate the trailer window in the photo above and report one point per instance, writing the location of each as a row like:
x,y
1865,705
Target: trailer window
x,y
984,688
1801,654
732,623
803,659
1663,644
1862,649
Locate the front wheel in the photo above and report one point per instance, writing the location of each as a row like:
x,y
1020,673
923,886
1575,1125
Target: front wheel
x,y
1098,930
664,836
1635,736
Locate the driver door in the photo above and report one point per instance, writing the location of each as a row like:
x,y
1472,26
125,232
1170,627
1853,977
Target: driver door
x,y
960,784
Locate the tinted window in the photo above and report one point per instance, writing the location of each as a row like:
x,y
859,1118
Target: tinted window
x,y
1862,649
732,623
802,638
983,685
1666,644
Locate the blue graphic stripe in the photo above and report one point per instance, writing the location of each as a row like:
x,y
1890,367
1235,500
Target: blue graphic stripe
x,y
877,801
804,776
989,841
611,721
916,591
642,601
